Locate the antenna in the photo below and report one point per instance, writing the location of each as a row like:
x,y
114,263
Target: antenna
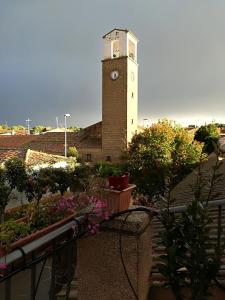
x,y
57,122
28,125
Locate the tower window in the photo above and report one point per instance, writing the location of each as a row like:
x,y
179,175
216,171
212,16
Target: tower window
x,y
132,94
88,157
108,158
132,121
115,49
131,50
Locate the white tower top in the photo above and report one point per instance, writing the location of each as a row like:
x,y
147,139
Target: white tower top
x,y
120,43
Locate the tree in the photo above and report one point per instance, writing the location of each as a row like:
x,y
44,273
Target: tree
x,y
38,129
74,128
72,152
162,153
209,135
17,128
5,192
15,173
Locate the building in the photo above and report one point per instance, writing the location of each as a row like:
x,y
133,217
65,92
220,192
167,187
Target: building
x,y
119,92
108,139
32,158
105,140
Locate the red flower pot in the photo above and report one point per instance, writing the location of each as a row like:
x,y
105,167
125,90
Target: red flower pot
x,y
119,183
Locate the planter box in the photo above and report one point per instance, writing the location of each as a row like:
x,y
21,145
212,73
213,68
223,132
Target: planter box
x,y
39,233
117,201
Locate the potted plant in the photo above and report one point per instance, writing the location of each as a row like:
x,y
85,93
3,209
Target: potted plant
x,y
49,216
118,178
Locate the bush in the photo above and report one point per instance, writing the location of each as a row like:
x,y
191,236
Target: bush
x,y
209,135
161,153
72,152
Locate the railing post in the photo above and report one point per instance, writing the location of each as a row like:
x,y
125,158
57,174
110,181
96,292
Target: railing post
x,y
33,279
219,225
8,289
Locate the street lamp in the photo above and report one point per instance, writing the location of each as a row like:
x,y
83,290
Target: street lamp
x,y
28,125
65,116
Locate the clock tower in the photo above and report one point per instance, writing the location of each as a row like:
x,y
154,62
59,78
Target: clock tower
x,y
119,92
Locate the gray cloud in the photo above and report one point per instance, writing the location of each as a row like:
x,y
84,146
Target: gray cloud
x,y
51,51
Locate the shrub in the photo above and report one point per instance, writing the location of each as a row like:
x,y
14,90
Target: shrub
x,y
72,152
209,135
161,153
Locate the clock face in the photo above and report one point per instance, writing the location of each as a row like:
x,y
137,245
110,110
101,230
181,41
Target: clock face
x,y
132,77
114,75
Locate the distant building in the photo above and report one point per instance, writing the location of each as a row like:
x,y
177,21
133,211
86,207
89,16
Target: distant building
x,y
105,140
32,158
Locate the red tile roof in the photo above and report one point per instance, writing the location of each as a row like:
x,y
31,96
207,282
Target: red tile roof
x,y
53,142
8,154
34,158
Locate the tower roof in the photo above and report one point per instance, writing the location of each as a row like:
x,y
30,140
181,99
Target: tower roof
x,y
124,30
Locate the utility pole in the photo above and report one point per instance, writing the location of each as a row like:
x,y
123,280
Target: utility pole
x,y
65,116
57,122
28,126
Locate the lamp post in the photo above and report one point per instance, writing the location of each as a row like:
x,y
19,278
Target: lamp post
x,y
28,125
65,116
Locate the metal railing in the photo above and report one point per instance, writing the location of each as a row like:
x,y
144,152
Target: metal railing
x,y
45,266
41,268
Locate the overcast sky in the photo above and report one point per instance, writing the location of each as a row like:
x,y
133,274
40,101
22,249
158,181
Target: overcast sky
x,y
51,51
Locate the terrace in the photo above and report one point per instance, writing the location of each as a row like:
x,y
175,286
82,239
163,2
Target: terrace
x,y
121,260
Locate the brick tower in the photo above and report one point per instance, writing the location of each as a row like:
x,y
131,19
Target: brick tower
x,y
119,92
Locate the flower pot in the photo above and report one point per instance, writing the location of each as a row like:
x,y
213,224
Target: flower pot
x,y
119,182
117,201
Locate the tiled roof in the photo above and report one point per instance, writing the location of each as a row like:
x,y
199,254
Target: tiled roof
x,y
31,158
34,158
8,154
183,194
53,142
118,29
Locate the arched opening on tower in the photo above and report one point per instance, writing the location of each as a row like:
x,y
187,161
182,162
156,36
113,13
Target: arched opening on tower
x,y
131,49
115,49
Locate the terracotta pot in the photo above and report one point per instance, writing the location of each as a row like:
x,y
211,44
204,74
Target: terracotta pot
x,y
117,201
119,183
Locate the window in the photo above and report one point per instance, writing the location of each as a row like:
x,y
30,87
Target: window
x,y
131,48
132,121
88,157
108,158
115,49
132,95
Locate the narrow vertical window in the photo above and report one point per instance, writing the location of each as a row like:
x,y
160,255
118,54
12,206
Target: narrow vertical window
x,y
88,157
108,158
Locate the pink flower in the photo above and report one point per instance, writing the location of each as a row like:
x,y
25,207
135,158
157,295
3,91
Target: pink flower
x,y
3,266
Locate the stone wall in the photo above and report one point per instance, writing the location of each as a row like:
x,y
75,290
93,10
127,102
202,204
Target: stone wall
x,y
100,270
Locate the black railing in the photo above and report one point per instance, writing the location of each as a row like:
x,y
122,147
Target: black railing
x,y
43,267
